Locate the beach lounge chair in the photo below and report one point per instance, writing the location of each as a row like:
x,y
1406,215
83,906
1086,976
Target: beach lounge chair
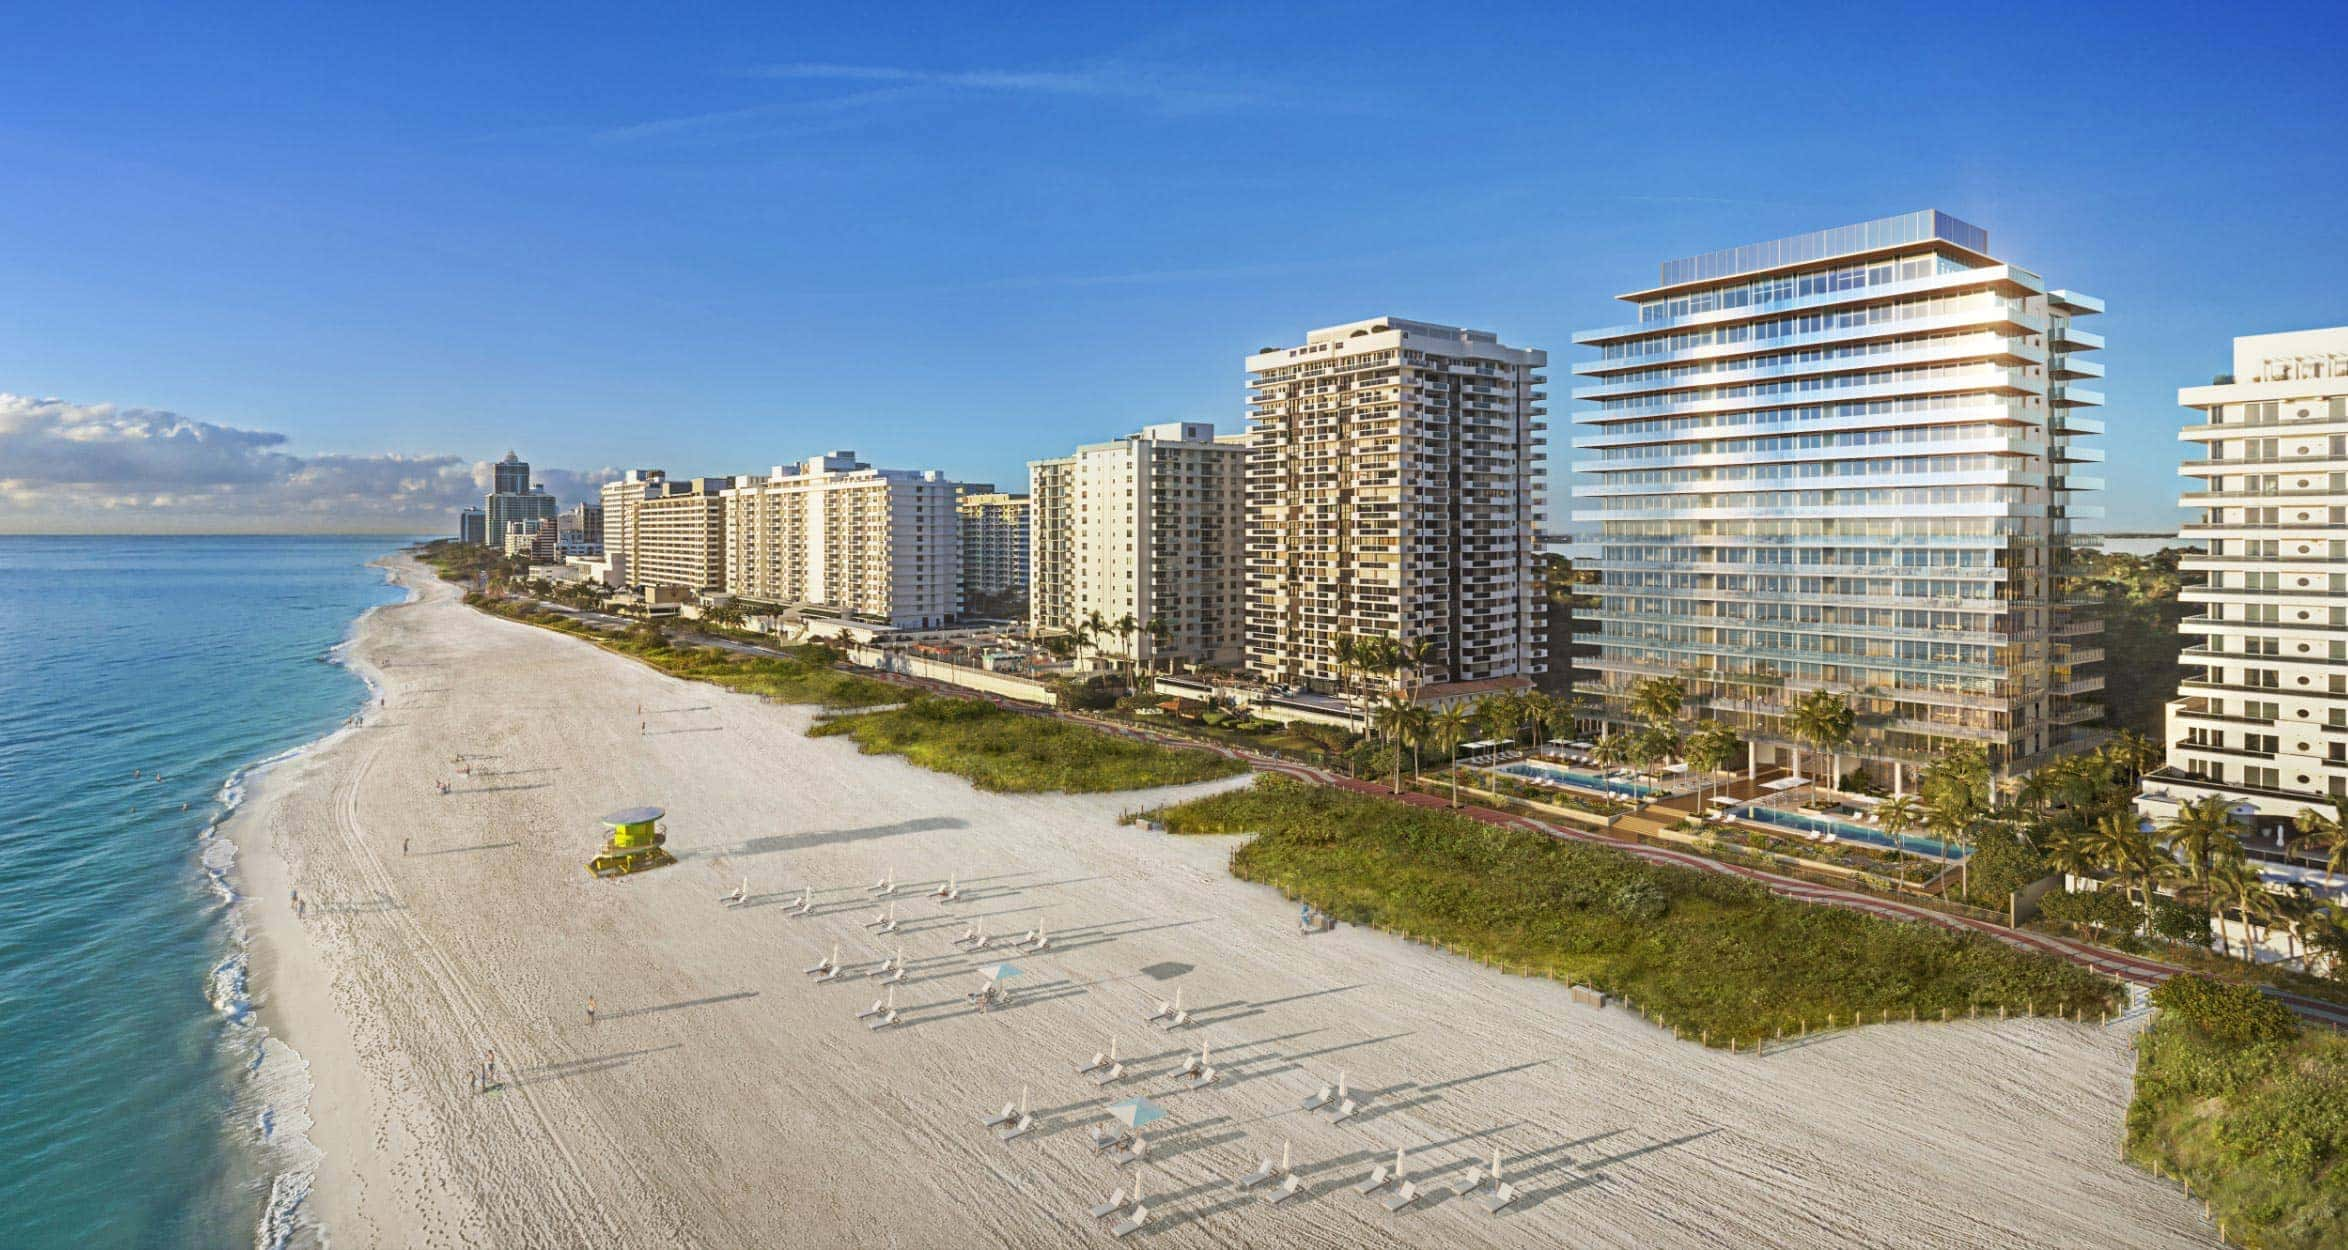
x,y
1343,1111
1115,1073
1404,1194
1286,1189
829,974
828,966
1042,942
1114,1206
1135,1153
1264,1172
884,1019
886,886
947,892
1378,1180
1009,1113
1466,1188
1503,1195
1105,1138
1016,1129
801,905
1132,1224
1327,1095
1102,1060
1192,1065
1205,1077
1164,1010
878,1006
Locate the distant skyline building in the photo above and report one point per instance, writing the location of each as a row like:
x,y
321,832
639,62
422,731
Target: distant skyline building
x,y
2265,723
1151,526
512,476
473,527
1847,461
1393,490
834,536
584,520
994,527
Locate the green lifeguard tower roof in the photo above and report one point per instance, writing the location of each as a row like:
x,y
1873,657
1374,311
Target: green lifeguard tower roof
x,y
634,816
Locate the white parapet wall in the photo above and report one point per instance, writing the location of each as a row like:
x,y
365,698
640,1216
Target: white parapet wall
x,y
1024,689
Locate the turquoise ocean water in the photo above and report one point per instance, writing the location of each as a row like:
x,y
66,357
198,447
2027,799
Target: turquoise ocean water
x,y
140,1105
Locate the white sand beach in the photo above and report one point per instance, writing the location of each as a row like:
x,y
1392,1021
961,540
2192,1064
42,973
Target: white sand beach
x,y
722,1099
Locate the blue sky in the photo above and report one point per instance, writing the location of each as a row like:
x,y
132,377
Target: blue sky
x,y
965,236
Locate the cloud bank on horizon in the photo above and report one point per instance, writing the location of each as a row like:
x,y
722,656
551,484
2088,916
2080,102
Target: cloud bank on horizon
x,y
99,468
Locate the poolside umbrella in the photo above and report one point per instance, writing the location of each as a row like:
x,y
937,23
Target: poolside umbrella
x,y
1000,972
1137,1111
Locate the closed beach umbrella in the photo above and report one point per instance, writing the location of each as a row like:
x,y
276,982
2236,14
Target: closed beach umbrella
x,y
1137,1111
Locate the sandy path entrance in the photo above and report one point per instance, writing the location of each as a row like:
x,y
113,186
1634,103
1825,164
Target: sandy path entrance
x,y
724,1100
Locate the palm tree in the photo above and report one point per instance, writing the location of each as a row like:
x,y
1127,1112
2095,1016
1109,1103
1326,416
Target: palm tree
x,y
2237,883
2328,834
1390,719
1125,628
1416,720
2122,847
1711,747
1610,749
2134,753
1161,637
1823,721
1496,717
1447,730
1657,700
1415,655
1897,816
1344,652
2202,835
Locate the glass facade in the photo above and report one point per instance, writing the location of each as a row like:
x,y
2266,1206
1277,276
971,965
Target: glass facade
x,y
1845,461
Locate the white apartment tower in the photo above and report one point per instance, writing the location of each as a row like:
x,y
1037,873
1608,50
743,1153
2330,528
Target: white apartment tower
x,y
1149,527
834,536
621,502
1393,490
1845,461
2266,722
678,535
995,529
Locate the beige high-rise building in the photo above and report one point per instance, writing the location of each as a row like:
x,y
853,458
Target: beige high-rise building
x,y
621,500
834,536
2266,723
1151,526
1393,491
680,536
995,529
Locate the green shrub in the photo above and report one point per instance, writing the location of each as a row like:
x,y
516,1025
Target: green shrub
x,y
1721,956
2107,910
1014,752
2179,923
2237,1015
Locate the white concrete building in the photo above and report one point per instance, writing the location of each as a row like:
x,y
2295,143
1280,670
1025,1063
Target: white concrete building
x,y
621,501
835,536
1149,527
1845,461
996,535
2266,722
1393,489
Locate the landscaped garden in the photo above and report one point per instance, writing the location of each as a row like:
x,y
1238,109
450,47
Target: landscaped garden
x,y
1716,957
1008,751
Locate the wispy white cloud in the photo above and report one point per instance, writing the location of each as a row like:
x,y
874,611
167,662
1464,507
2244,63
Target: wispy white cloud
x,y
1160,90
69,466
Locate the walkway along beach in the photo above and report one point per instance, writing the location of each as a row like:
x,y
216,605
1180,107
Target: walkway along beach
x,y
722,1098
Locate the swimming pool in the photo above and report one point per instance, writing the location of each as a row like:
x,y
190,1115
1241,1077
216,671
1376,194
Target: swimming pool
x,y
1551,774
1915,844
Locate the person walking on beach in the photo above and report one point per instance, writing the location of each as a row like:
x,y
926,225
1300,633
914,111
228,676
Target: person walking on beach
x,y
591,1010
403,846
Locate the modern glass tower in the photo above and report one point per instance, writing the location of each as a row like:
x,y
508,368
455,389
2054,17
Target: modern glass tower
x,y
1845,461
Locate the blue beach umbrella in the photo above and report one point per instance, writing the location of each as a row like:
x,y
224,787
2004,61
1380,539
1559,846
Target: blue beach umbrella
x,y
1137,1111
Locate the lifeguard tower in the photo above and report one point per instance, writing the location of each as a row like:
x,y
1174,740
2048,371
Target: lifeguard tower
x,y
636,843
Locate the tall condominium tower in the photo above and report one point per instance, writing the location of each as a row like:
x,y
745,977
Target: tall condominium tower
x,y
1393,491
1151,527
512,476
834,536
995,539
2266,722
1844,461
622,500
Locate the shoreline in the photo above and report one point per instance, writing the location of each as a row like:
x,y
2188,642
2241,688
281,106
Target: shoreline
x,y
723,1099
289,987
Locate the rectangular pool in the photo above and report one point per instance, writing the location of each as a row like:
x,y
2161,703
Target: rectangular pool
x,y
1552,775
1914,844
